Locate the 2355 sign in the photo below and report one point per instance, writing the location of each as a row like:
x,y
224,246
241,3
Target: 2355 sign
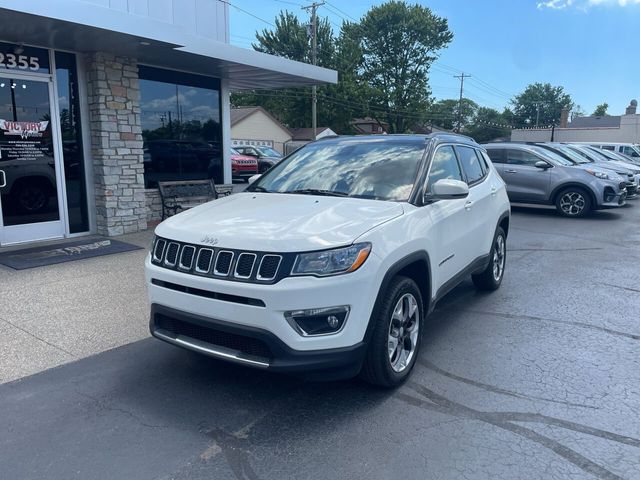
x,y
19,62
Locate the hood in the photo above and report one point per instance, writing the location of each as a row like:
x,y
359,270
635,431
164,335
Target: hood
x,y
243,157
596,167
276,222
627,166
612,167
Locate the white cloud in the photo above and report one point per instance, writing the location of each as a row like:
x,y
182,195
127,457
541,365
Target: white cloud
x,y
584,4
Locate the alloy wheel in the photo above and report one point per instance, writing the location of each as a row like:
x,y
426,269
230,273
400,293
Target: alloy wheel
x,y
498,258
572,203
403,332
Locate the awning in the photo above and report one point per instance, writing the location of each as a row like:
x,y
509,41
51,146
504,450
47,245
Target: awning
x,y
80,27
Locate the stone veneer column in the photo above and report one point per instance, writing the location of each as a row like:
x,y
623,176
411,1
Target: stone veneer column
x,y
116,143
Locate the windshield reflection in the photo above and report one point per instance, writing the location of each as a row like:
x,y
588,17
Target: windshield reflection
x,y
381,170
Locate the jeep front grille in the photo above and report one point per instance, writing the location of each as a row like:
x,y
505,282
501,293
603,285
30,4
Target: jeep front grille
x,y
225,264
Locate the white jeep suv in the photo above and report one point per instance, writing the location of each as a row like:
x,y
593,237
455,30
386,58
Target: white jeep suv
x,y
328,265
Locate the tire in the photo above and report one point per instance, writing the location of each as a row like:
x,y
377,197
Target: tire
x,y
573,202
32,196
491,277
391,369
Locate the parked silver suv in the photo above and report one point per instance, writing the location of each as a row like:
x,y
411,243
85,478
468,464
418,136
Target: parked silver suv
x,y
536,175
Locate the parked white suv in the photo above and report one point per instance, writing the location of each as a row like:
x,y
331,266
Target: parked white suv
x,y
329,263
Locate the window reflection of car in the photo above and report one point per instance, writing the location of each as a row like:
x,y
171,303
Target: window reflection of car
x,y
243,166
267,156
181,159
30,184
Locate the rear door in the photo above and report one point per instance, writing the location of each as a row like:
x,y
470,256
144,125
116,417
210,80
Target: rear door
x,y
480,203
525,182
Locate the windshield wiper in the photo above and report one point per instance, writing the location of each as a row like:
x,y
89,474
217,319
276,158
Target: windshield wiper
x,y
313,191
260,189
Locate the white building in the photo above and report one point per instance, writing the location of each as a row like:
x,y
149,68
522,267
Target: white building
x,y
101,99
611,128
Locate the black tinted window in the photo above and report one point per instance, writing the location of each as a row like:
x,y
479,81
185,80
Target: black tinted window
x,y
444,166
520,157
496,155
470,164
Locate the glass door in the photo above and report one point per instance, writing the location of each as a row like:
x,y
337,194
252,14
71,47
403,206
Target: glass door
x,y
30,177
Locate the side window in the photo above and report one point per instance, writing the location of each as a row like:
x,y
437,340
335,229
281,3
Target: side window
x,y
630,151
444,166
520,157
485,160
496,155
470,164
608,147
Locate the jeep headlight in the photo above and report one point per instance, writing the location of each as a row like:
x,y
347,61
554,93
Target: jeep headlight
x,y
332,262
596,174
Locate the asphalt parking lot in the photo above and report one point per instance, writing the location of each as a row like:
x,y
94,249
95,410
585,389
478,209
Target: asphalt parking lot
x,y
539,380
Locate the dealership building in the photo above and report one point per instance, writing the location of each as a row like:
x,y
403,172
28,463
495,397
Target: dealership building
x,y
102,99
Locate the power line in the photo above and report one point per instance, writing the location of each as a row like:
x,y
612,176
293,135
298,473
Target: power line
x,y
247,12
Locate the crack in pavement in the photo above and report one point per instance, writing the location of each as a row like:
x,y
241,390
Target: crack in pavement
x,y
494,389
102,405
504,420
588,326
33,335
628,289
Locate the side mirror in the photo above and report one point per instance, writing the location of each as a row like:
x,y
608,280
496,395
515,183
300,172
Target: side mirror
x,y
447,189
542,165
254,178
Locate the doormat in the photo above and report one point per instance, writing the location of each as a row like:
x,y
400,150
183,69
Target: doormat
x,y
63,252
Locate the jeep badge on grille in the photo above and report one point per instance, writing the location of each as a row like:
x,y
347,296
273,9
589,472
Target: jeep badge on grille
x,y
209,240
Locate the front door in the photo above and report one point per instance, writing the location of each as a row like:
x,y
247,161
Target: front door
x,y
31,206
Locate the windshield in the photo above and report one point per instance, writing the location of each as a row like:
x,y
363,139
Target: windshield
x,y
374,169
235,152
574,156
585,155
268,152
553,156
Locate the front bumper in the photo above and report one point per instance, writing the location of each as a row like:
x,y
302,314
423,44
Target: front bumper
x,y
253,347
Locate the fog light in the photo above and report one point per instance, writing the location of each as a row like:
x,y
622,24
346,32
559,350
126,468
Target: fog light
x,y
318,321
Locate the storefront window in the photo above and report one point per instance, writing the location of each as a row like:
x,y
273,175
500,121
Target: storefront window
x,y
74,168
180,115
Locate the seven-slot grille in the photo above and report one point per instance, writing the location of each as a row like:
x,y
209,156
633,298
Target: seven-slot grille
x,y
217,262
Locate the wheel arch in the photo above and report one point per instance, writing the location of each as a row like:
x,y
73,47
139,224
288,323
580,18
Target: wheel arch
x,y
416,266
582,186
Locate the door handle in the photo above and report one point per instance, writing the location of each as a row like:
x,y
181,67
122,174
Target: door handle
x,y
3,181
494,190
511,171
468,205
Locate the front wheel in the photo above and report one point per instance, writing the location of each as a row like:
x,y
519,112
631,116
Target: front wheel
x,y
491,277
394,345
573,202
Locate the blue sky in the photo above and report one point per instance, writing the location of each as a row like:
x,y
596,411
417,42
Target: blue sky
x,y
590,47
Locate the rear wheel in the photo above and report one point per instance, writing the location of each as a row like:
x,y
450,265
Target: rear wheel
x,y
573,202
394,346
491,277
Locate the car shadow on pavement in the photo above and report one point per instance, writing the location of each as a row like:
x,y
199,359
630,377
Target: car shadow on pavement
x,y
552,213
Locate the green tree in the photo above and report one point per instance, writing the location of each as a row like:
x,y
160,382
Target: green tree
x,y
399,42
540,104
290,40
601,110
444,113
488,124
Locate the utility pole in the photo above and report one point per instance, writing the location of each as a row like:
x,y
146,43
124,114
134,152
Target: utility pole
x,y
537,104
314,60
462,76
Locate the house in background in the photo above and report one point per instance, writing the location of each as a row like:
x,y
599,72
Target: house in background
x,y
609,128
302,136
256,126
369,126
